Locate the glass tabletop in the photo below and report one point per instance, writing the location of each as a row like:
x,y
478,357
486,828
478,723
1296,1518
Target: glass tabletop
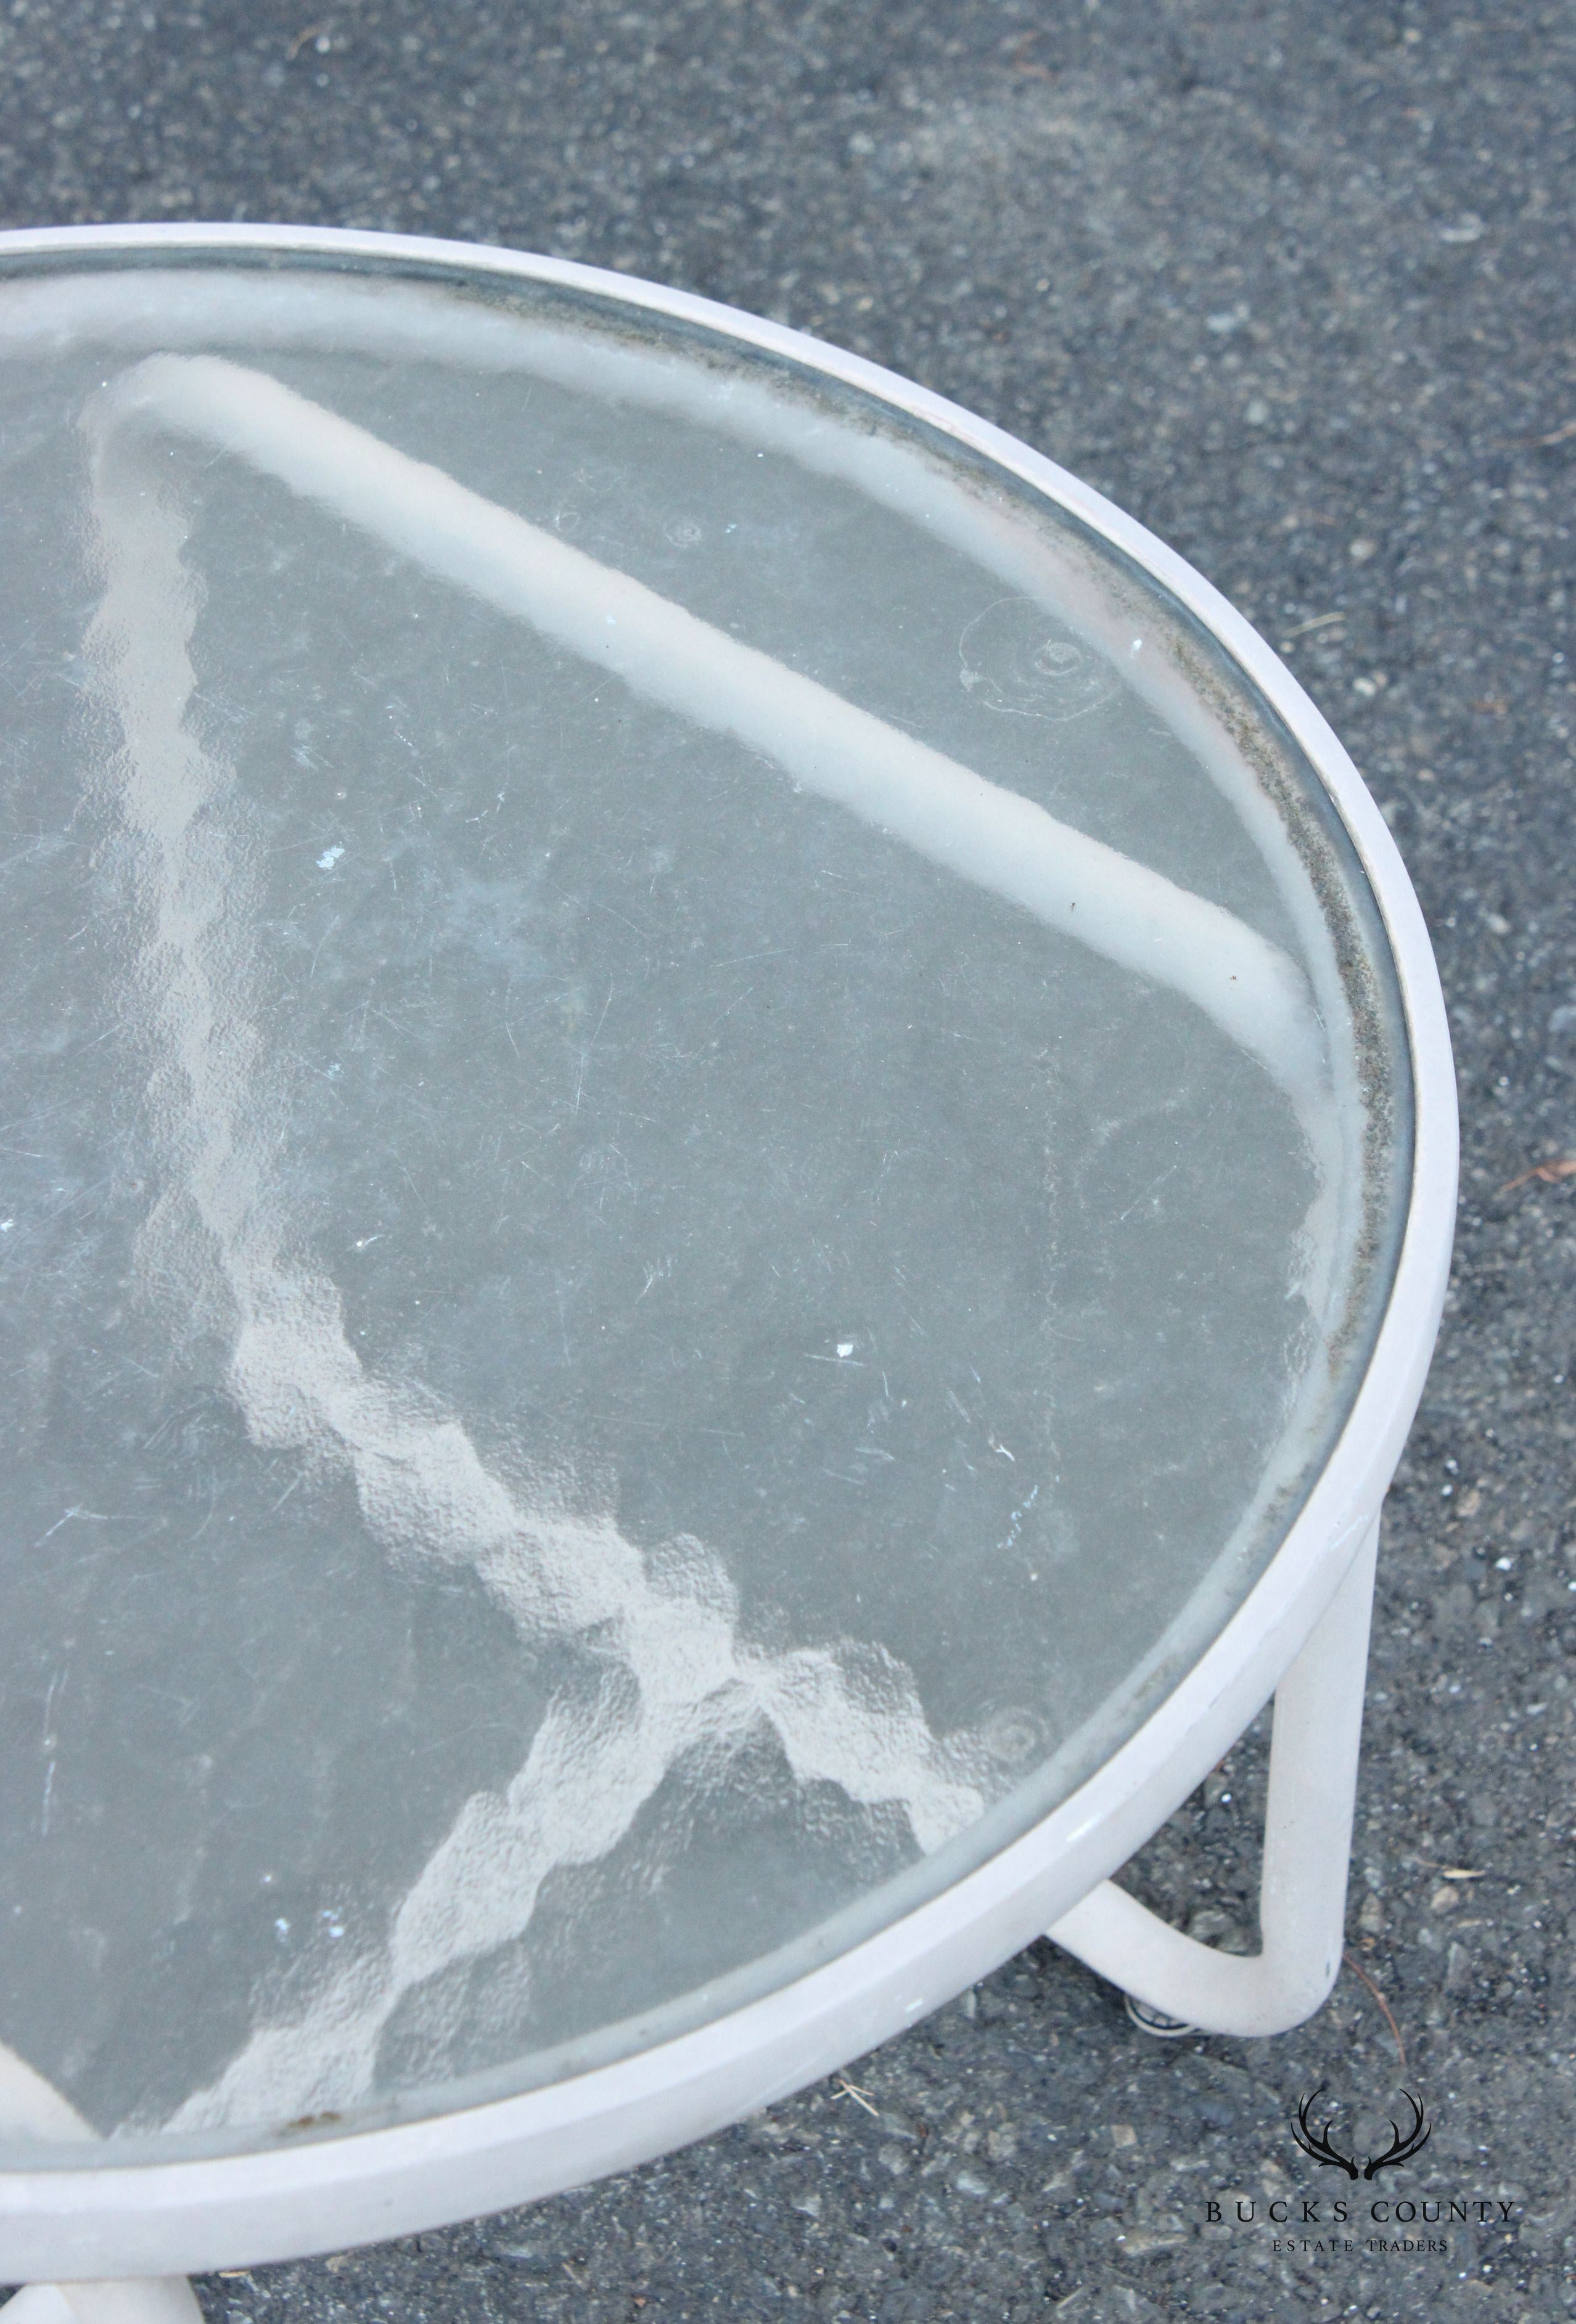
x,y
705,1130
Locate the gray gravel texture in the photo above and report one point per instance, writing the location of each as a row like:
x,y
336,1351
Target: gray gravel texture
x,y
1292,283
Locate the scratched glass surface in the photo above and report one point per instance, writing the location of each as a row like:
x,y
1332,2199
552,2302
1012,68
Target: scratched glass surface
x,y
695,1163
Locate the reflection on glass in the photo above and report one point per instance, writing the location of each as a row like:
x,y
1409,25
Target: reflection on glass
x,y
703,1158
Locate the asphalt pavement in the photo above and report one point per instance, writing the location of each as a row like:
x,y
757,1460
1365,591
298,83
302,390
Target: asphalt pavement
x,y
1293,284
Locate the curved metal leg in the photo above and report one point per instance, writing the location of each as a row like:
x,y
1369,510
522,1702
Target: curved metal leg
x,y
1307,1843
149,2300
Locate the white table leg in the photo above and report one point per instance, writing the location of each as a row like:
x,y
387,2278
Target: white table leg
x,y
146,2300
1307,1845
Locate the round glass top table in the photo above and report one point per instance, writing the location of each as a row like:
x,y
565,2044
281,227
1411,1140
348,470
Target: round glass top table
x,y
728,1165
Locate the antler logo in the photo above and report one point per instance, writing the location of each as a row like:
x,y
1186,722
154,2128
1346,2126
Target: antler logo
x,y
1403,2146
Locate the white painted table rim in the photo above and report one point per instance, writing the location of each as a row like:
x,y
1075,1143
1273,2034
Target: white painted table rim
x,y
1301,1634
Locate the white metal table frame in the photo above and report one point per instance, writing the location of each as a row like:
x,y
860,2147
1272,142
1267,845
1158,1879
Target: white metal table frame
x,y
1300,1634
